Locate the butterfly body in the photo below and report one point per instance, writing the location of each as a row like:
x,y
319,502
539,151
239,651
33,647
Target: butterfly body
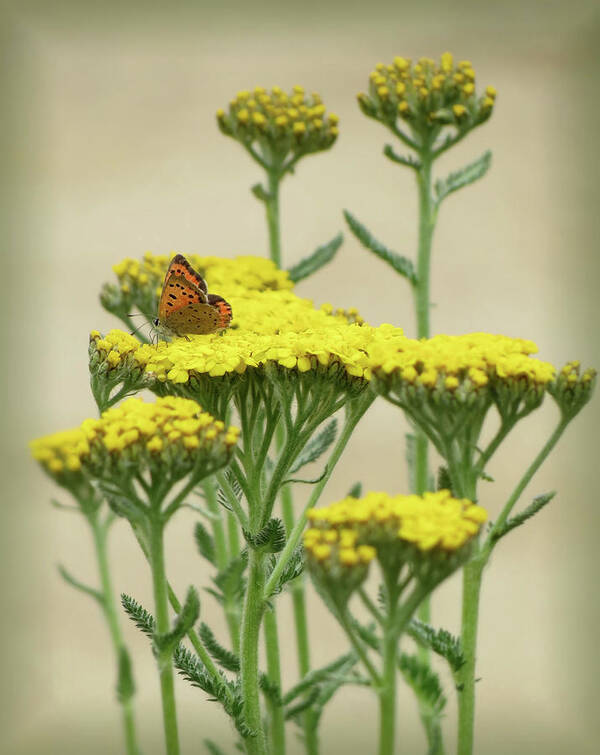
x,y
185,306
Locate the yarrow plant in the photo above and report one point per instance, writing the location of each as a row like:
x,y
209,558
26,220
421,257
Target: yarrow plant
x,y
283,372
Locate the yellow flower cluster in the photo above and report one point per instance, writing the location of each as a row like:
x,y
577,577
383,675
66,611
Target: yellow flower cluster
x,y
222,275
294,123
459,363
280,327
432,521
274,325
427,94
112,350
175,428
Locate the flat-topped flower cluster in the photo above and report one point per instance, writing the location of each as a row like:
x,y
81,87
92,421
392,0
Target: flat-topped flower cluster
x,y
168,429
432,521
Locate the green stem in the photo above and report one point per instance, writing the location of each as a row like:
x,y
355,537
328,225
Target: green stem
x,y
472,576
251,621
523,482
100,532
387,695
387,690
472,573
276,718
355,411
222,558
161,608
272,208
311,742
427,217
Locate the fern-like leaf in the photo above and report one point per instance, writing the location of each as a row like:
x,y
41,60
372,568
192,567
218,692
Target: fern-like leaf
x,y
316,446
320,257
143,620
400,264
225,658
205,543
440,641
463,177
536,505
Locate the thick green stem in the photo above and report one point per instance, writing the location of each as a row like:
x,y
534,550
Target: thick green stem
x,y
161,608
387,693
272,208
472,573
251,621
470,610
100,531
311,741
276,718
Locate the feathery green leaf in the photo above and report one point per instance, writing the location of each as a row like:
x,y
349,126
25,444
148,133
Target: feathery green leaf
x,y
225,658
317,676
424,682
205,543
70,580
316,446
271,538
463,177
401,264
321,256
185,620
536,505
440,641
138,614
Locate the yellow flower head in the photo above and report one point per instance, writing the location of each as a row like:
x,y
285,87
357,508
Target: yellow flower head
x,y
274,122
430,534
426,94
172,434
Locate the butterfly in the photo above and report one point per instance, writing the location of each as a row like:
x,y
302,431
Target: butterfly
x,y
185,306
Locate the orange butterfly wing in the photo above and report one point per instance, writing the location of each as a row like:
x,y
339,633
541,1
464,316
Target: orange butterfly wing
x,y
185,305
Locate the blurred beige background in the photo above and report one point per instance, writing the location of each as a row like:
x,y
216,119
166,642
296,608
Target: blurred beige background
x,y
112,149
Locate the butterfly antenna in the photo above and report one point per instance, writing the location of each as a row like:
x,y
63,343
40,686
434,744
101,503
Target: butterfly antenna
x,y
137,314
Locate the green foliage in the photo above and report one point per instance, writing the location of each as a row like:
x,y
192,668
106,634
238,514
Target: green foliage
x,y
226,658
320,257
271,538
424,682
234,486
293,568
143,620
212,748
317,676
205,543
316,446
443,479
463,177
355,491
125,682
440,641
166,643
536,505
295,710
230,581
408,162
70,580
401,265
219,689
270,689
